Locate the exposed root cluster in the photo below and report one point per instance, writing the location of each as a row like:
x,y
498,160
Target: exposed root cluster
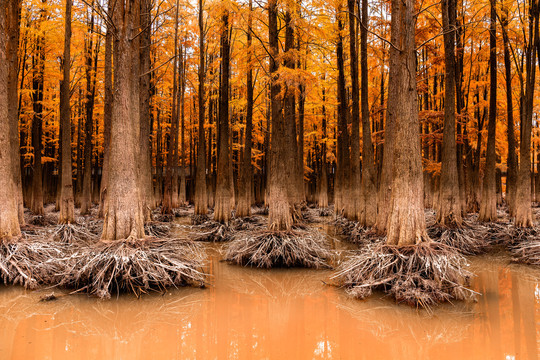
x,y
526,248
199,219
73,233
137,266
259,210
267,249
325,211
183,211
344,226
363,236
419,275
42,220
469,239
31,263
157,229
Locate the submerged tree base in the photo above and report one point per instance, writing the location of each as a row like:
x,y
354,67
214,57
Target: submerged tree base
x,y
31,262
419,275
137,266
268,249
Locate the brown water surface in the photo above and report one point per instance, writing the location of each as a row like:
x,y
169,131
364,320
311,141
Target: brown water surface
x,y
277,314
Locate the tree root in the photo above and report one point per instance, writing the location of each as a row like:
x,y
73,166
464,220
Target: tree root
x,y
344,226
137,266
468,239
157,229
419,275
525,247
31,262
74,233
268,249
259,210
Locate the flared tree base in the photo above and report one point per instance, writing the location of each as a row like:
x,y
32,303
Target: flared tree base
x,y
419,275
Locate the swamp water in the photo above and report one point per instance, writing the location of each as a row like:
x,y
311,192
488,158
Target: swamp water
x,y
277,314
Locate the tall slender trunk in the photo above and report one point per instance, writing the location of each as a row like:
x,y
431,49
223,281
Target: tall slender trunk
x,y
36,203
222,209
523,194
369,188
67,203
107,114
488,203
342,182
449,212
144,104
86,196
200,180
354,201
243,207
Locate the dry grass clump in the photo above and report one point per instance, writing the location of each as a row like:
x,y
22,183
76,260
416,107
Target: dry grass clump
x,y
137,266
468,239
419,275
268,249
31,262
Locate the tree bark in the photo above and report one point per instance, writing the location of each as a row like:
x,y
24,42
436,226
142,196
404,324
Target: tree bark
x,y
107,114
280,216
67,203
124,213
369,188
523,188
222,208
449,212
353,200
200,180
488,203
9,218
406,219
36,203
245,185
343,155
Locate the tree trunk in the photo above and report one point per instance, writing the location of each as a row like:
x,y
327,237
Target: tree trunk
x,y
36,203
200,180
86,196
107,114
449,212
369,188
523,194
9,218
511,168
243,207
13,8
342,182
144,103
67,203
488,203
406,219
124,213
222,208
280,216
352,204
322,183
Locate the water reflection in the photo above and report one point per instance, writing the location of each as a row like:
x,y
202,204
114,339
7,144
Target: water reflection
x,y
276,314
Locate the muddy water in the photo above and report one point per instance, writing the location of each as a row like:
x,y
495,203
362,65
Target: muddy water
x,y
277,314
